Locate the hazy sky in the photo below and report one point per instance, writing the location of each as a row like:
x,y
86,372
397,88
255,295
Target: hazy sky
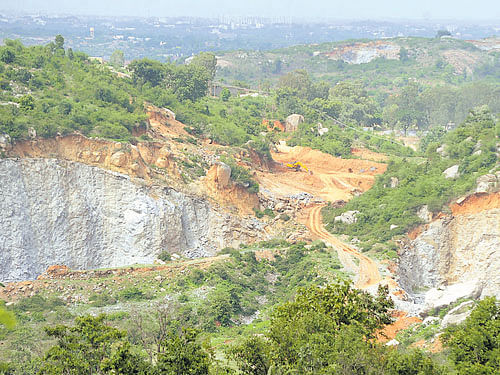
x,y
342,9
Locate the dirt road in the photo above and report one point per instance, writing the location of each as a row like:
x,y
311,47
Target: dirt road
x,y
331,179
367,270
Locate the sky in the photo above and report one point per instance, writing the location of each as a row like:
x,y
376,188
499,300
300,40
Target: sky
x,y
312,9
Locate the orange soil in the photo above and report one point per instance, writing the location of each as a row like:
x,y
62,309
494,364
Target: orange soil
x,y
476,203
402,322
331,178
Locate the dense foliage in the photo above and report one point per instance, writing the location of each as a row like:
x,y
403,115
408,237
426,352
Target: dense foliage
x,y
420,181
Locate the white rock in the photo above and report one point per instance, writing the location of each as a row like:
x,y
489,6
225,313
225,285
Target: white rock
x,y
292,122
424,214
393,226
458,314
442,150
393,342
348,217
487,183
451,172
62,212
440,298
394,182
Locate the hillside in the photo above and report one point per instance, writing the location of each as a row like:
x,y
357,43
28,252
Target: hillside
x,y
382,64
274,233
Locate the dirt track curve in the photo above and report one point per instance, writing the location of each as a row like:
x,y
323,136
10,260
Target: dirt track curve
x,y
368,274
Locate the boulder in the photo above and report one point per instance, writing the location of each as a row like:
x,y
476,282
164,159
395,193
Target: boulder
x,y
348,217
487,183
293,122
394,182
451,172
4,141
32,133
442,150
393,342
424,214
222,174
437,299
321,129
118,159
458,314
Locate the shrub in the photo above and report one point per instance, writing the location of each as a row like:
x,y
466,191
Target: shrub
x,y
165,256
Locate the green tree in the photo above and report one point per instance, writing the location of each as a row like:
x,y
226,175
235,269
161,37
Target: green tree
x,y
147,71
475,344
182,354
251,356
59,41
316,318
7,56
208,61
90,347
117,59
225,94
27,103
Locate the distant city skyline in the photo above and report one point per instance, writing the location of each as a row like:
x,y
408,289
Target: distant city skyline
x,y
297,9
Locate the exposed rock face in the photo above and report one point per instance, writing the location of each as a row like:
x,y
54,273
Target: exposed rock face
x,y
80,216
293,122
464,248
487,183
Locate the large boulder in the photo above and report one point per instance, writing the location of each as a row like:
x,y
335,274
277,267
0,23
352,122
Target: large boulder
x,y
437,299
222,174
451,172
348,217
293,122
487,183
424,214
458,314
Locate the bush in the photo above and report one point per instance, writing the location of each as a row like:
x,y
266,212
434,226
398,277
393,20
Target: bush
x,y
132,293
165,256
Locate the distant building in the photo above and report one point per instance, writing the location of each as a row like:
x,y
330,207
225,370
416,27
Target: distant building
x,y
91,30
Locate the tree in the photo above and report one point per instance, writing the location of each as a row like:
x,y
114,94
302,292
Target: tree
x,y
7,55
208,61
304,332
182,354
403,54
27,103
251,356
225,94
147,71
117,59
475,344
59,42
441,33
91,347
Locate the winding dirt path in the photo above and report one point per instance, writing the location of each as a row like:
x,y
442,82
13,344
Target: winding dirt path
x,y
367,270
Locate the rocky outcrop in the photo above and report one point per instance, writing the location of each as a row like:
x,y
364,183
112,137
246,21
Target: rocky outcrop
x,y
219,186
488,183
348,217
81,216
452,172
293,122
459,251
